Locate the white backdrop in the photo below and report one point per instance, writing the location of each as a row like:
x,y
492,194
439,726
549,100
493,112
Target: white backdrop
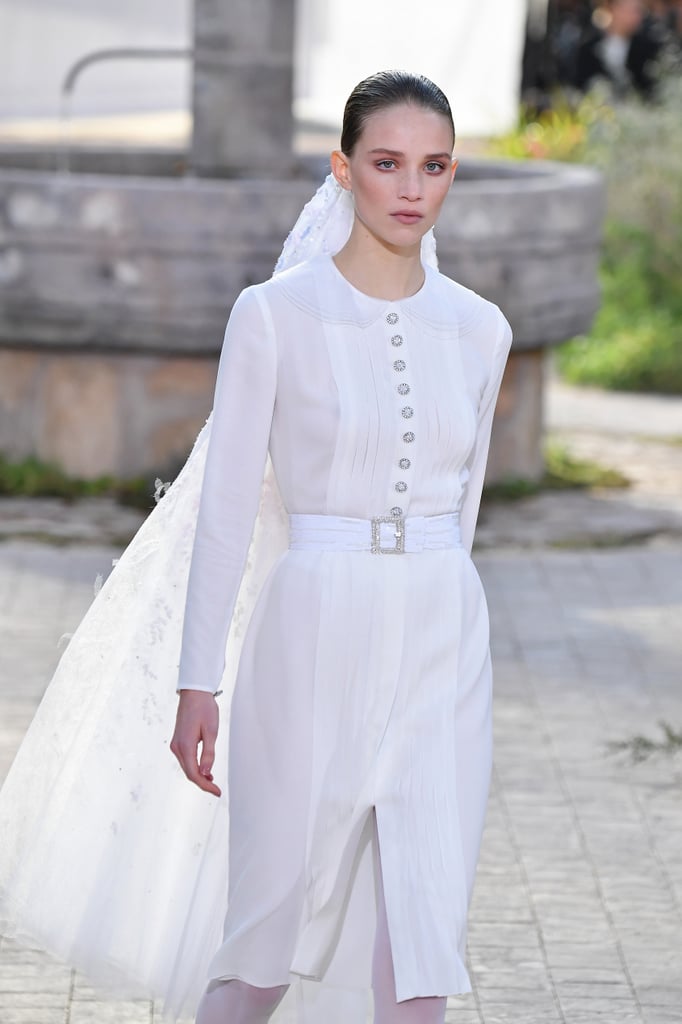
x,y
40,39
471,48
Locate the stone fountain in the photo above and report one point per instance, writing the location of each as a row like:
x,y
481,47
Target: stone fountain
x,y
115,287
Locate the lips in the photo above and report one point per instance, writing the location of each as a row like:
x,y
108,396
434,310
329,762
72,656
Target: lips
x,y
407,216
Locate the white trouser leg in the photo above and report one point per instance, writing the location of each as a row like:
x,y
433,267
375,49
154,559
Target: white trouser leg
x,y
235,1002
423,1010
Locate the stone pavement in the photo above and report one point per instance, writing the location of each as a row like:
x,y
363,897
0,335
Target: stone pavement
x,y
577,912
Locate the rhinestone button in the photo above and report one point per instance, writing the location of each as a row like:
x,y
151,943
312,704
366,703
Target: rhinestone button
x,y
403,389
397,340
401,486
392,318
407,412
404,463
408,437
399,365
396,510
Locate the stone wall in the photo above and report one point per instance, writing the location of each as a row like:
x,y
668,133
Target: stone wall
x,y
126,414
96,414
114,293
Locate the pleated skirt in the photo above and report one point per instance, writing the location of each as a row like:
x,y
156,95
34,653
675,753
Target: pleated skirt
x,y
364,686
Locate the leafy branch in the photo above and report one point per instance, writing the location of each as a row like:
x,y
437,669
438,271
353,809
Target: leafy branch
x,y
640,747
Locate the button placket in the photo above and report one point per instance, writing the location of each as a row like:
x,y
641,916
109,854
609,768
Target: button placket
x,y
401,485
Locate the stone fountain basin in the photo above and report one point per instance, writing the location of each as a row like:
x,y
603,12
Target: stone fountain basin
x,y
139,274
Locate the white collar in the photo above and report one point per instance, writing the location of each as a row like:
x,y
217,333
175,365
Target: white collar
x,y
318,287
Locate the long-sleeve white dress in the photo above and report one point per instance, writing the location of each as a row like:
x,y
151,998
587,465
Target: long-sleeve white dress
x,y
364,680
355,680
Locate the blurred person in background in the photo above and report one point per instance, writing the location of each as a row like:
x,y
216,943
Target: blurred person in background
x,y
621,47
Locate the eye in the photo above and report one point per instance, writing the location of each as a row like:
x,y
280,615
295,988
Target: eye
x,y
434,165
384,164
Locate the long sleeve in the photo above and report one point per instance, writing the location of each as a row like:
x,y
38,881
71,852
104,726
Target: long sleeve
x,y
479,457
235,460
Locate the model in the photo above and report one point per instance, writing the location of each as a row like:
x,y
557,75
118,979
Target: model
x,y
355,392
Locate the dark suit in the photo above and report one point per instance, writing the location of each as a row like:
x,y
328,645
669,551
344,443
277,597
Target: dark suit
x,y
644,49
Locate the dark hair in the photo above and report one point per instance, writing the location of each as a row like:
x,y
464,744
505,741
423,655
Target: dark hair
x,y
386,89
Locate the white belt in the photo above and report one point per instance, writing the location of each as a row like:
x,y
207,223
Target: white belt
x,y
382,535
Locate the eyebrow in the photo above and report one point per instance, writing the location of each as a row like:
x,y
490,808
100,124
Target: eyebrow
x,y
395,152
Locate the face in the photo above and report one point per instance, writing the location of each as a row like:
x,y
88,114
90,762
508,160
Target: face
x,y
626,17
399,173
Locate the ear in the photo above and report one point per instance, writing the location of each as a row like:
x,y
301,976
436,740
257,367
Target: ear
x,y
340,166
453,169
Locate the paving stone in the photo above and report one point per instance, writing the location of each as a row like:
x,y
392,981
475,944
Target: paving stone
x,y
110,1013
28,1015
576,916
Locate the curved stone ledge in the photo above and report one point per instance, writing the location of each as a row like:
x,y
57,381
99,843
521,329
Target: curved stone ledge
x,y
153,265
115,290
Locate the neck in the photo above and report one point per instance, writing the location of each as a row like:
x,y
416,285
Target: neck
x,y
377,269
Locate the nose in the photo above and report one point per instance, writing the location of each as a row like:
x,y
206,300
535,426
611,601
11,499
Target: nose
x,y
410,187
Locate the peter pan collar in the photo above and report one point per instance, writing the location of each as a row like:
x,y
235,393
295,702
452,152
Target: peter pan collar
x,y
319,288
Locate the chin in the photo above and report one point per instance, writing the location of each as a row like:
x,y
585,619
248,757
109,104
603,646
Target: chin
x,y
405,235
410,238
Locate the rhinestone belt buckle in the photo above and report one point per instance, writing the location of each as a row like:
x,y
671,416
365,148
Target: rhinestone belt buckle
x,y
399,523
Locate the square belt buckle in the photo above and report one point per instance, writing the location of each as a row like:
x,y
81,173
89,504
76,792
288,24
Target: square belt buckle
x,y
399,523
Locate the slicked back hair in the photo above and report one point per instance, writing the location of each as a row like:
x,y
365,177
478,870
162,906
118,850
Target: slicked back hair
x,y
387,89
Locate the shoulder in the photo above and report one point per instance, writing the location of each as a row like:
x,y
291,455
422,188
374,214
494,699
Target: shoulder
x,y
301,283
461,308
483,333
250,323
455,302
316,289
309,287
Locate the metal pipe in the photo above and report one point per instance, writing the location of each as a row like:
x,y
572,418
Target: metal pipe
x,y
120,53
97,57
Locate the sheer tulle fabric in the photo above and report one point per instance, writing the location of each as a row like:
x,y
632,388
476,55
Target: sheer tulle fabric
x,y
109,859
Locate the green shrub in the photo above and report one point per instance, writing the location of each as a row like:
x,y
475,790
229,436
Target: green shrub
x,y
562,471
635,343
636,340
33,478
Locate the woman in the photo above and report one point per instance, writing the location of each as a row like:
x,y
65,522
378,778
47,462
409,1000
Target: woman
x,y
360,728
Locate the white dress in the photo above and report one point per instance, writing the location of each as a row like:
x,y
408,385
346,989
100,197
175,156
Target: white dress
x,y
365,680
360,681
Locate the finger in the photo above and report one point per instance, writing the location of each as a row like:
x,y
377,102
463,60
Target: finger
x,y
207,758
193,772
207,785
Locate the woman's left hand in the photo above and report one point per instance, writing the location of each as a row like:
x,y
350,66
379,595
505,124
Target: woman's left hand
x,y
197,724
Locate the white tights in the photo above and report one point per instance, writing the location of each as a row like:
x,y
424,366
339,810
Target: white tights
x,y
236,1002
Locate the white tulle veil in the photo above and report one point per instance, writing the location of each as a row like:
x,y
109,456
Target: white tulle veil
x,y
109,858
